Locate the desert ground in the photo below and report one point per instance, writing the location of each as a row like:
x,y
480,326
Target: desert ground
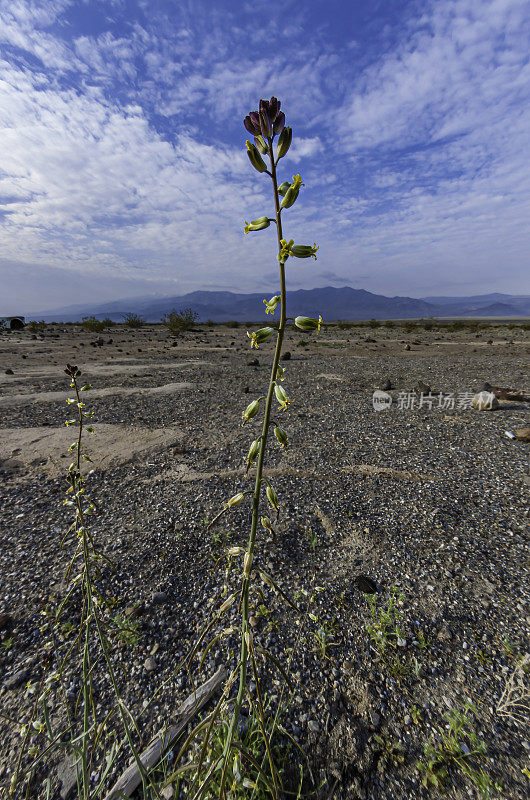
x,y
428,503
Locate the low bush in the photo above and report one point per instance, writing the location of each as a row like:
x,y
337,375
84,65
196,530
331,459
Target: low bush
x,y
179,321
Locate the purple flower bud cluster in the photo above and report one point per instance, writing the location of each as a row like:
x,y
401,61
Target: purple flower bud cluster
x,y
267,121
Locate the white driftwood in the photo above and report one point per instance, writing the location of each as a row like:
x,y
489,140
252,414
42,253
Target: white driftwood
x,y
131,778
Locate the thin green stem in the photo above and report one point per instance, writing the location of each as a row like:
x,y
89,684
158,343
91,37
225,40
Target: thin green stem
x,y
257,486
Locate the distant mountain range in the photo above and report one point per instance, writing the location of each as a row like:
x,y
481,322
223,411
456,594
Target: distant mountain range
x,y
334,304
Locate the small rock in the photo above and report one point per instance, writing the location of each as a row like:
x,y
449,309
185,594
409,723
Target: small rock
x,y
485,401
16,679
159,597
423,387
365,584
134,611
444,634
6,622
150,664
375,719
407,347
9,372
387,385
253,363
66,774
286,356
313,726
523,434
253,621
168,792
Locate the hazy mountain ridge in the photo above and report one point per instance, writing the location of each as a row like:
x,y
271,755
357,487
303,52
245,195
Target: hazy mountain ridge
x,y
332,303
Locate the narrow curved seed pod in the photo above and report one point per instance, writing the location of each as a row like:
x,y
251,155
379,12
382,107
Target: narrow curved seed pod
x,y
258,224
261,144
308,323
255,158
236,500
281,436
284,141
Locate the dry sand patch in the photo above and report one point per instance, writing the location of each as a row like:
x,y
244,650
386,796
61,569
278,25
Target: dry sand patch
x,y
46,448
95,394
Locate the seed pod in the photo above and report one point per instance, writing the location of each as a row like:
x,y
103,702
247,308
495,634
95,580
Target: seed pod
x,y
281,436
236,500
253,452
272,304
257,224
247,564
280,372
304,251
251,410
272,498
227,603
282,188
267,524
235,551
292,192
284,141
255,158
281,397
259,336
261,144
308,323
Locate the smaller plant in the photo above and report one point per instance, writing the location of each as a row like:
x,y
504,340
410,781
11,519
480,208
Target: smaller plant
x,y
385,628
312,539
126,630
133,320
514,702
108,322
93,324
179,321
324,636
232,323
374,323
389,324
459,751
408,327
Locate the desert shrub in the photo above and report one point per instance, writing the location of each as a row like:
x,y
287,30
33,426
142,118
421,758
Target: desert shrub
x,y
389,324
108,322
93,324
133,320
178,321
374,323
428,324
232,323
37,327
408,327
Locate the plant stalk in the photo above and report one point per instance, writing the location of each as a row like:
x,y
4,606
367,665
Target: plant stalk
x,y
257,486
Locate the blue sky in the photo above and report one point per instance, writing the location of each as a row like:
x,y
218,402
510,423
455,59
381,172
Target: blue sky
x,y
123,167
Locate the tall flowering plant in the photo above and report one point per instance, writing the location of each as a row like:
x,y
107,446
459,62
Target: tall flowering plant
x,y
271,141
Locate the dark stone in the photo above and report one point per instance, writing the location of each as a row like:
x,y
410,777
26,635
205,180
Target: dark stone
x,y
253,363
365,584
387,386
423,387
68,773
16,679
286,356
246,390
159,597
6,622
9,372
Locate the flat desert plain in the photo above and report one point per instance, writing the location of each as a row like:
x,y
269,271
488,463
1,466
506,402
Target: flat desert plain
x,y
429,503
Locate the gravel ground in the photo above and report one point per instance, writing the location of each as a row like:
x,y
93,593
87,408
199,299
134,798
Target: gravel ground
x,y
429,504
